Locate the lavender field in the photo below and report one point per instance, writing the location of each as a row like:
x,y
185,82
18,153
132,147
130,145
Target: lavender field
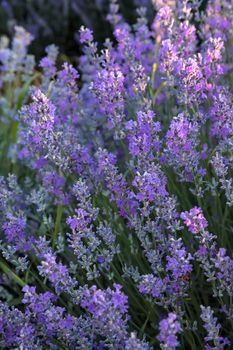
x,y
116,188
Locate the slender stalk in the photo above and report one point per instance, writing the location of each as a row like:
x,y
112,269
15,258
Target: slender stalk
x,y
57,224
6,269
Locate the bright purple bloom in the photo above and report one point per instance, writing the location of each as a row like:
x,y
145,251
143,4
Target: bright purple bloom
x,y
143,135
194,220
169,328
178,262
14,228
85,35
151,285
57,273
151,185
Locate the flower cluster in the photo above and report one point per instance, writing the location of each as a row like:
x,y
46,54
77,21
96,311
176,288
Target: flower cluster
x,y
212,327
116,188
194,220
169,327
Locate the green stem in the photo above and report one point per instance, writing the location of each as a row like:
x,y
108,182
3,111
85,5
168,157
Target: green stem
x,y
144,325
50,88
57,224
14,131
160,88
6,269
19,103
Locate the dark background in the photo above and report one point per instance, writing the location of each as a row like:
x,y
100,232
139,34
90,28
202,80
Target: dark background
x,y
58,21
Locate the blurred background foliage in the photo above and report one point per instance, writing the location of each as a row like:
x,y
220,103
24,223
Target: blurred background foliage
x,y
58,21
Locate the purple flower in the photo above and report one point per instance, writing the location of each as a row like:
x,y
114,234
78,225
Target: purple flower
x,y
14,228
98,302
48,63
57,273
108,88
194,220
93,247
178,262
151,185
143,135
152,285
212,327
85,35
169,327
94,301
182,148
224,270
39,119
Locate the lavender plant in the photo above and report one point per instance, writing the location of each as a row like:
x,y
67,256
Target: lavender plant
x,y
116,191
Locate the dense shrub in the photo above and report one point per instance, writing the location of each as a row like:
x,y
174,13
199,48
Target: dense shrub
x,y
116,191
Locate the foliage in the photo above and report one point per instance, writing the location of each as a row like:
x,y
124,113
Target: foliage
x,y
116,191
